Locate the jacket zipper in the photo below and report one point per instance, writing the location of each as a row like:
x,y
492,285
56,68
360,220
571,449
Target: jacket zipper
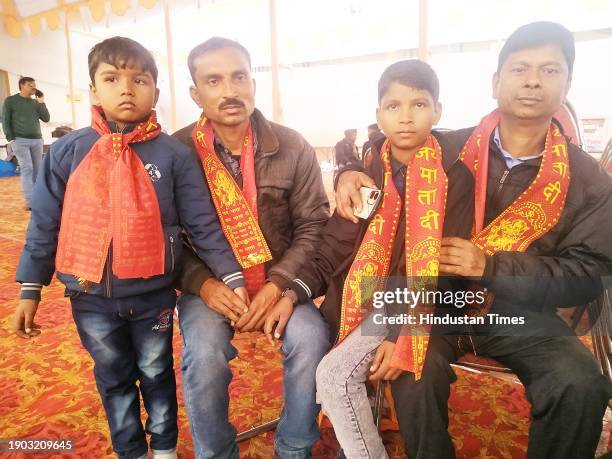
x,y
171,252
108,272
502,180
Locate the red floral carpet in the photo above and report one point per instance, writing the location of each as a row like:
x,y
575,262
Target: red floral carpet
x,y
47,389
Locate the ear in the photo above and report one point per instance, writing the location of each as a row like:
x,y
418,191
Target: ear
x,y
254,85
495,84
195,95
94,95
156,97
438,113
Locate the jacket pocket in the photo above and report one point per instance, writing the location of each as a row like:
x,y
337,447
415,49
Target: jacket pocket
x,y
173,248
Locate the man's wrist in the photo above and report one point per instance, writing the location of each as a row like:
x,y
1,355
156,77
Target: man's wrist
x,y
291,295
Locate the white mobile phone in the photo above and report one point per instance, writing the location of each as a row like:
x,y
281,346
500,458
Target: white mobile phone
x,y
370,197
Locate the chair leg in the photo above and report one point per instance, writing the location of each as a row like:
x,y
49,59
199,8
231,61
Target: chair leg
x,y
378,402
254,431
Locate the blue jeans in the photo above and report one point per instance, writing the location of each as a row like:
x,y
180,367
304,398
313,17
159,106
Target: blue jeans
x,y
130,339
29,154
207,351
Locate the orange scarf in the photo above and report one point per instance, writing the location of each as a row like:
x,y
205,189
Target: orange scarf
x,y
424,207
534,212
236,208
110,197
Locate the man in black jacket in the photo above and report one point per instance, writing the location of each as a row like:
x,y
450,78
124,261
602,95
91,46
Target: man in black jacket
x,y
274,171
562,265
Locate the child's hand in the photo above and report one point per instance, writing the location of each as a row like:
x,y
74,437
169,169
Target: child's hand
x,y
23,320
243,294
279,315
381,366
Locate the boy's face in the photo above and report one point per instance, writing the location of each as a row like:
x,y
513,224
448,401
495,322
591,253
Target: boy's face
x,y
532,83
126,95
224,88
406,116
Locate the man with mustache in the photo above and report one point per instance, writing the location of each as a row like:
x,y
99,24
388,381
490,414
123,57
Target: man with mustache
x,y
541,240
268,191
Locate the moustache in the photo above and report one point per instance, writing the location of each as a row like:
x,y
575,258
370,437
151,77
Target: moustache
x,y
230,102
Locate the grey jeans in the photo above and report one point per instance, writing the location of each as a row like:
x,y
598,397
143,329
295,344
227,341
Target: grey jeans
x,y
341,390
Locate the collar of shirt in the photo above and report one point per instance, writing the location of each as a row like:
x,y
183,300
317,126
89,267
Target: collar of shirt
x,y
399,176
511,161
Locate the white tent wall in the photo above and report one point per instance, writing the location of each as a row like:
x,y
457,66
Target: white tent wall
x,y
331,86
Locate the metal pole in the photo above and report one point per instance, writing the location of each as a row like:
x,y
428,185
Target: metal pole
x,y
70,78
277,112
170,67
422,53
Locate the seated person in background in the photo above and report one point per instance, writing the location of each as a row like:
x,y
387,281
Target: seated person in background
x,y
346,150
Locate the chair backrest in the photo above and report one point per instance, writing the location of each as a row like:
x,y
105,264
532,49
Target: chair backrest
x,y
570,124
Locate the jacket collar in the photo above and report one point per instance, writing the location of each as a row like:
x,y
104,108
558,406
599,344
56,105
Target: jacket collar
x,y
267,141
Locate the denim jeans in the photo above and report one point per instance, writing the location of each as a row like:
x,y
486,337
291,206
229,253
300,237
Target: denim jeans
x,y
130,340
207,351
341,389
29,154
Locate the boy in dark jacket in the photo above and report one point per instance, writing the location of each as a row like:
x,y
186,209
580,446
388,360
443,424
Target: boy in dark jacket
x,y
427,196
107,214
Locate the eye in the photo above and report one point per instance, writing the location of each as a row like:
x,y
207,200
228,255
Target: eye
x,y
517,70
420,105
392,106
110,79
550,70
212,82
140,81
241,77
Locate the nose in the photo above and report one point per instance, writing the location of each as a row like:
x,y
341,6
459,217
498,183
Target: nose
x,y
229,89
532,78
406,116
127,88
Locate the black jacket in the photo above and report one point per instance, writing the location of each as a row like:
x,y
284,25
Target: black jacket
x,y
326,273
565,266
291,202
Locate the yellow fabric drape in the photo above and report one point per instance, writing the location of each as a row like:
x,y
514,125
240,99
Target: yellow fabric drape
x,y
15,24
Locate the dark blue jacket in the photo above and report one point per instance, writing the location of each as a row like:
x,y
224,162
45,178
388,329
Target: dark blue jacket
x,y
184,201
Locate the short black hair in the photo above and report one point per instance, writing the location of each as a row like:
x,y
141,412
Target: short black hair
x,y
413,73
121,52
538,34
213,44
350,131
373,127
24,80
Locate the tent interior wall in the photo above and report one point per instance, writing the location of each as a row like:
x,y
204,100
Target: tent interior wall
x,y
330,54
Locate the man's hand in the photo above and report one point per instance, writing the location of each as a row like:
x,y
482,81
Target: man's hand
x,y
219,297
461,258
279,315
23,320
264,300
347,193
381,366
41,99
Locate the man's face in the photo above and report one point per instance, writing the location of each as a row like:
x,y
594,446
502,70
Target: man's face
x,y
351,136
28,88
224,88
406,116
532,83
126,95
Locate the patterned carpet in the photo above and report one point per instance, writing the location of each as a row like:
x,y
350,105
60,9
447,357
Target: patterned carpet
x,y
47,389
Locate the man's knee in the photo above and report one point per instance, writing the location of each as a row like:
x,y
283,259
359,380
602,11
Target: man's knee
x,y
306,334
206,335
331,382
